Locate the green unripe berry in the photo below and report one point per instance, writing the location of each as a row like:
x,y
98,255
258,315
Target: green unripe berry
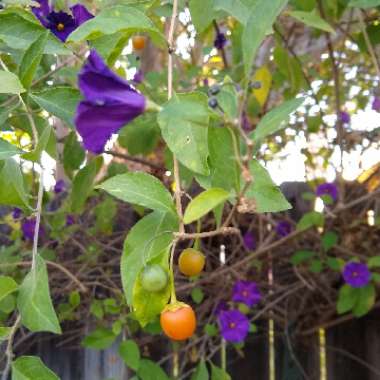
x,y
154,278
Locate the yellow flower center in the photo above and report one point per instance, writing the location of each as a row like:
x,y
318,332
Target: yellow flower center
x,y
245,293
60,27
232,325
355,274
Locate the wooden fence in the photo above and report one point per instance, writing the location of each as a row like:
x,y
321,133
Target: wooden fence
x,y
352,353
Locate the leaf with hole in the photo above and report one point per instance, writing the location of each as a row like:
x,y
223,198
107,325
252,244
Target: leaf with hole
x,y
184,125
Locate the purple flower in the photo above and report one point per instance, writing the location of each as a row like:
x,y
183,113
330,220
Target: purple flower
x,y
81,14
220,307
246,292
138,77
327,189
234,325
59,186
283,228
220,41
70,220
16,213
28,226
249,241
376,104
61,23
344,117
110,103
356,275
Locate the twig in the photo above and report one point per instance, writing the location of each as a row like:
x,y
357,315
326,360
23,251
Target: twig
x,y
9,350
368,43
135,159
177,178
64,270
38,220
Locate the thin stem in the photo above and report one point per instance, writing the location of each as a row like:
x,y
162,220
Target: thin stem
x,y
173,297
38,220
368,43
9,350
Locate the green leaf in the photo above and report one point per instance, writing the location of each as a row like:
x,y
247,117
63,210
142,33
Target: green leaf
x,y
301,256
235,8
365,300
12,188
364,3
266,195
105,213
316,266
59,101
73,153
4,333
141,135
130,353
201,372
110,46
262,15
204,203
228,99
141,189
32,58
197,295
34,302
183,122
347,299
312,19
149,370
202,14
10,84
19,33
374,262
83,185
218,373
119,18
99,339
31,368
211,330
148,305
329,239
43,142
148,238
7,286
224,170
276,119
311,219
8,150
335,263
